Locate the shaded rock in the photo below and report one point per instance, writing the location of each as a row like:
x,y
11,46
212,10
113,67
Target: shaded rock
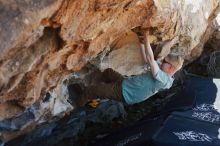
x,y
107,111
20,23
16,123
206,65
45,42
71,126
8,110
18,75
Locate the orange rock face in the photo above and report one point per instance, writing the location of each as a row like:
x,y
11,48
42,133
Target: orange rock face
x,y
43,42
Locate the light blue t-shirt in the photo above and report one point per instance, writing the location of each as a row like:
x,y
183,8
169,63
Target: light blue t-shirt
x,y
139,88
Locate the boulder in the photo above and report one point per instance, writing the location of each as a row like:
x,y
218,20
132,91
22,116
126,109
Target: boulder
x,y
46,44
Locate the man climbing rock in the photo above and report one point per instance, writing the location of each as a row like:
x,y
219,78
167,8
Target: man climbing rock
x,y
134,89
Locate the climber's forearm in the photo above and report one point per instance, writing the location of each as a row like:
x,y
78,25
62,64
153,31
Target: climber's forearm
x,y
148,50
143,53
150,56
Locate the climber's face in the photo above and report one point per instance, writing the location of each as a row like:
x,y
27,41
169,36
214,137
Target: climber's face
x,y
165,66
168,67
172,63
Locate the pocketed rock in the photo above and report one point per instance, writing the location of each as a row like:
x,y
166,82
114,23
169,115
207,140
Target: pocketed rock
x,y
44,42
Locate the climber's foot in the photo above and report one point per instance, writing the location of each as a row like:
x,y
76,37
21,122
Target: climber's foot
x,y
94,103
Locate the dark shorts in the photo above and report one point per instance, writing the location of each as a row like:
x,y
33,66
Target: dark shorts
x,y
110,88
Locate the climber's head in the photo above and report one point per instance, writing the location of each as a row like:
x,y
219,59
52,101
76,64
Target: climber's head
x,y
171,64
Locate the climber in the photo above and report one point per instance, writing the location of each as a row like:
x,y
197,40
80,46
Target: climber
x,y
134,89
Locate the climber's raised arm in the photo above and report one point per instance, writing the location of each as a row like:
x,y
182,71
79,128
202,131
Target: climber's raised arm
x,y
143,53
149,55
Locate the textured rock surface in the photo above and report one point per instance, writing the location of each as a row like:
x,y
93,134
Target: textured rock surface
x,y
125,56
43,42
20,25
